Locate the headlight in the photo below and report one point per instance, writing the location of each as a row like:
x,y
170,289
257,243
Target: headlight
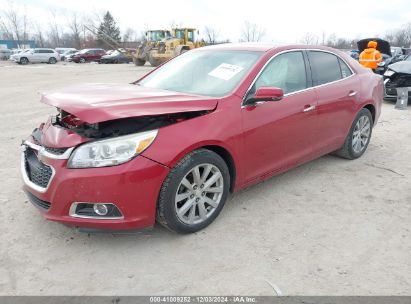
x,y
111,152
389,73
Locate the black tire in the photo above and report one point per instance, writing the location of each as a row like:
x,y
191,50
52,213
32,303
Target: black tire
x,y
154,62
166,206
24,60
82,60
347,151
52,60
139,62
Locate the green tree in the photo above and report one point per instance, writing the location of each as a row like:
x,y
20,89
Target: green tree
x,y
108,29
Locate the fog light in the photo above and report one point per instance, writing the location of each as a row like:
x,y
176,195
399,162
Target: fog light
x,y
100,209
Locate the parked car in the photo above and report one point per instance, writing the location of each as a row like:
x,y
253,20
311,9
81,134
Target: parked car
x,y
115,57
36,55
69,58
214,120
67,53
5,54
355,54
88,55
63,50
398,75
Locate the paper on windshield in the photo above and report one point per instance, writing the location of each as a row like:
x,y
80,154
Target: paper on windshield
x,y
225,71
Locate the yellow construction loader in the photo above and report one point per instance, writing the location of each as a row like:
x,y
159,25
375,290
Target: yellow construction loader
x,y
184,39
153,37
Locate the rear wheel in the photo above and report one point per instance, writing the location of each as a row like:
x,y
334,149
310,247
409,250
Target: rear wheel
x,y
358,137
52,60
194,192
24,60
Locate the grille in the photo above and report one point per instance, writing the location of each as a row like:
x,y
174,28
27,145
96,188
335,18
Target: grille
x,y
57,151
38,202
37,172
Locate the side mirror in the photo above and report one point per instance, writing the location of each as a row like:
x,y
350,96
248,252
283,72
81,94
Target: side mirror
x,y
266,94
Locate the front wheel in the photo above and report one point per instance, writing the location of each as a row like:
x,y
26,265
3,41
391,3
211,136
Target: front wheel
x,y
82,60
194,192
139,62
24,60
358,137
52,60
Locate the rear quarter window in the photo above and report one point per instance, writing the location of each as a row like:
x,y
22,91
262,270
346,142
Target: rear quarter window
x,y
325,67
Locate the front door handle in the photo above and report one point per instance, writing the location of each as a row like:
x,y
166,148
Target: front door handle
x,y
352,93
308,108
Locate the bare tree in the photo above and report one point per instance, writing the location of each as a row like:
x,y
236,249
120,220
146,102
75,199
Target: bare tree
x,y
14,23
309,38
251,32
130,35
211,35
39,35
75,25
55,30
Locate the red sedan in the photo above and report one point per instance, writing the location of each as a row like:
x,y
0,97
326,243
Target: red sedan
x,y
172,145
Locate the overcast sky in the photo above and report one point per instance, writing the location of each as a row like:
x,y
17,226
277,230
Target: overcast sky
x,y
285,21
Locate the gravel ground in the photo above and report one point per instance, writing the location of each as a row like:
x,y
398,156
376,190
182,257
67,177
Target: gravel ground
x,y
330,227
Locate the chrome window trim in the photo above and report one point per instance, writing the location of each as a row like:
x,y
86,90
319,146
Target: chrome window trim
x,y
72,212
303,90
26,179
43,152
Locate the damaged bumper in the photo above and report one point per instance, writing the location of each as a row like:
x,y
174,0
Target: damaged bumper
x,y
130,189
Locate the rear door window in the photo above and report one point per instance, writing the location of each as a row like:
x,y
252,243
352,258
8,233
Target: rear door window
x,y
325,67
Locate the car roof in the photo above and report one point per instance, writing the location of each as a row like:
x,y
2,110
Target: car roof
x,y
261,47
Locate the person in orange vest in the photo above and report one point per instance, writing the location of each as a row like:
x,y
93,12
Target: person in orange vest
x,y
370,57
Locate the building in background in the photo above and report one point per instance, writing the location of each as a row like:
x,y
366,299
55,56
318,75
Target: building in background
x,y
14,44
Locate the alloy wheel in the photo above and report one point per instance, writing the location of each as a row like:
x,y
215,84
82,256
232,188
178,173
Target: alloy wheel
x,y
199,194
361,134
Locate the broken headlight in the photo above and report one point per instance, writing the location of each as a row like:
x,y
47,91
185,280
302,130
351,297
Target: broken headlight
x,y
111,152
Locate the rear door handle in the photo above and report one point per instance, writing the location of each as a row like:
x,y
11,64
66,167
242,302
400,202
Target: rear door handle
x,y
308,108
352,93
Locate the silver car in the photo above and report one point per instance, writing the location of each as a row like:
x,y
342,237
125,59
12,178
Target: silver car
x,y
37,55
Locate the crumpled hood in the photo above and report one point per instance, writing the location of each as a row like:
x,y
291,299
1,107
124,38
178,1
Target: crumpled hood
x,y
401,67
101,102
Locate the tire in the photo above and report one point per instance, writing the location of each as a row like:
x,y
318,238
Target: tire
x,y
82,60
196,212
154,62
52,60
139,62
355,145
24,60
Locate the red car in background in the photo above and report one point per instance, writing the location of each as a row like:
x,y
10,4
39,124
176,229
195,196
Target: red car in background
x,y
214,120
88,55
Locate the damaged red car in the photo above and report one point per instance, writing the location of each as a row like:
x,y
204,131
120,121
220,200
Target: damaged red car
x,y
172,145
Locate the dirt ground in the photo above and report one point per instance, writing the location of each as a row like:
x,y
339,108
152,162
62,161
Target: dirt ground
x,y
330,227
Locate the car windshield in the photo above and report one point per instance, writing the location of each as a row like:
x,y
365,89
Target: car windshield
x,y
205,72
83,51
115,53
408,58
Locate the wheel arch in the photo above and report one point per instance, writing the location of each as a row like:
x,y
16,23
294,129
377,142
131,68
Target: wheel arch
x,y
371,108
227,157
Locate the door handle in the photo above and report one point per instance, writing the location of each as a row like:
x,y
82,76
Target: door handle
x,y
308,108
352,93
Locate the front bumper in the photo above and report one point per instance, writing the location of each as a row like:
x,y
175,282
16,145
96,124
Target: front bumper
x,y
133,187
390,91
